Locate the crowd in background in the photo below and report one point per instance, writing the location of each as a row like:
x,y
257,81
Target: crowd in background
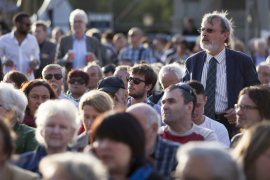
x,y
87,104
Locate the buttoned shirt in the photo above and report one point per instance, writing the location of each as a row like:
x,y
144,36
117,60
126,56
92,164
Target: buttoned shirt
x,y
80,50
20,55
221,96
133,54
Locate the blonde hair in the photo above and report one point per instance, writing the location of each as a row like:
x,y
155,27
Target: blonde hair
x,y
100,100
253,144
73,165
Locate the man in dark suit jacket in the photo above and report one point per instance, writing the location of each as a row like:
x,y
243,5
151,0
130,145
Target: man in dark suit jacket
x,y
47,49
234,70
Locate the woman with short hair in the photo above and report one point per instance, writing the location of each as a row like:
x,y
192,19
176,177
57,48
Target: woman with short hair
x,y
16,78
57,125
13,103
37,92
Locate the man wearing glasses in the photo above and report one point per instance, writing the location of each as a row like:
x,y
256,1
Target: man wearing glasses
x,y
252,107
223,72
20,48
178,106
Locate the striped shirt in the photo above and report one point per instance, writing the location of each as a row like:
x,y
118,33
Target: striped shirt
x,y
221,97
133,54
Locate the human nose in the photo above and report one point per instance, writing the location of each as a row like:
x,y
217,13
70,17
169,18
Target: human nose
x,y
56,129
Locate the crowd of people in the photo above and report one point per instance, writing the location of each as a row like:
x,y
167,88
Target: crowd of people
x,y
98,105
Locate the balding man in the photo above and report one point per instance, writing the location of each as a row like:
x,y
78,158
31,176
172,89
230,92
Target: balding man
x,y
161,151
263,70
136,51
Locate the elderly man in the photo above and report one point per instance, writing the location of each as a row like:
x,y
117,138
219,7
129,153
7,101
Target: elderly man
x,y
260,54
55,75
47,49
122,72
178,106
161,151
263,70
115,87
20,48
205,161
76,50
168,75
136,51
95,74
223,72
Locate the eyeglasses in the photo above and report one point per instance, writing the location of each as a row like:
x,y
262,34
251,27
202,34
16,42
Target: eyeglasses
x,y
208,30
56,76
135,80
188,89
79,81
244,107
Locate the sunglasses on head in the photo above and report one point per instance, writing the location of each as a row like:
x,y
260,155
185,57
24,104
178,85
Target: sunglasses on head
x,y
79,81
56,76
135,80
188,89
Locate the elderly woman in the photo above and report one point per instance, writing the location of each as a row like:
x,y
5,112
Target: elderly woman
x,y
118,140
72,166
57,122
92,104
37,92
253,151
12,106
16,78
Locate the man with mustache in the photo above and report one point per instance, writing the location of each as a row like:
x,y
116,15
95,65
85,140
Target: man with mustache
x,y
223,72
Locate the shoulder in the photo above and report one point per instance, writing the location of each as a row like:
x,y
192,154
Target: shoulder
x,y
212,124
204,131
65,38
168,143
155,176
162,129
19,173
5,36
241,57
26,129
196,56
50,43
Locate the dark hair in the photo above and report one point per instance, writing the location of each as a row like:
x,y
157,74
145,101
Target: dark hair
x,y
75,73
109,68
121,127
7,138
108,34
27,87
41,23
260,95
17,77
148,72
186,95
162,40
197,87
19,17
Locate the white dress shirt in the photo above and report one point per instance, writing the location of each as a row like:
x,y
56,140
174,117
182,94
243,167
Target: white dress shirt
x,y
21,55
221,97
80,50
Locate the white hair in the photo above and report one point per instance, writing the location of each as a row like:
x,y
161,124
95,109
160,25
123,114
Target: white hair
x,y
53,66
94,65
78,12
13,99
258,41
222,164
65,108
74,166
175,67
262,64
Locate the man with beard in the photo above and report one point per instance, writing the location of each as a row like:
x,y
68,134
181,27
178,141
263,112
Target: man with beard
x,y
20,48
223,72
141,81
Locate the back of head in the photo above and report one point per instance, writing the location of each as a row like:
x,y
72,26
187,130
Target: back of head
x,y
17,77
175,67
73,166
221,164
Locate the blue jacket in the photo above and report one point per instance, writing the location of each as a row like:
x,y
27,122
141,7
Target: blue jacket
x,y
241,72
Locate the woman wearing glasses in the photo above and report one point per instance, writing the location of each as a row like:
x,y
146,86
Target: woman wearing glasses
x,y
77,81
37,92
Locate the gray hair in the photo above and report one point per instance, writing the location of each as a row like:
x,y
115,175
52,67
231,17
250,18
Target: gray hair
x,y
175,67
63,107
258,41
13,99
94,65
222,164
74,166
225,24
78,12
53,66
262,64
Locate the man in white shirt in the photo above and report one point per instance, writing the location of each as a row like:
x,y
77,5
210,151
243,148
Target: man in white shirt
x,y
20,48
203,121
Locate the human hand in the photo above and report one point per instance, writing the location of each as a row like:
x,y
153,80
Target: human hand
x,y
33,64
231,116
44,56
118,102
69,58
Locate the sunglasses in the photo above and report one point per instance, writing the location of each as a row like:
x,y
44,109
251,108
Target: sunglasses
x,y
188,89
135,80
56,76
208,30
79,81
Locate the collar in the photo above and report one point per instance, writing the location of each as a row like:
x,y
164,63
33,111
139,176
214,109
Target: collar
x,y
12,36
71,97
139,47
218,57
84,37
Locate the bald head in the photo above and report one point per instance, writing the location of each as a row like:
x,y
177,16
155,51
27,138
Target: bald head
x,y
145,114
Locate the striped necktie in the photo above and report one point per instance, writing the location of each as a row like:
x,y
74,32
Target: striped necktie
x,y
210,90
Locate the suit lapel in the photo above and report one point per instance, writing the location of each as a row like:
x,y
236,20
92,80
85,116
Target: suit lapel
x,y
200,64
230,68
70,43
